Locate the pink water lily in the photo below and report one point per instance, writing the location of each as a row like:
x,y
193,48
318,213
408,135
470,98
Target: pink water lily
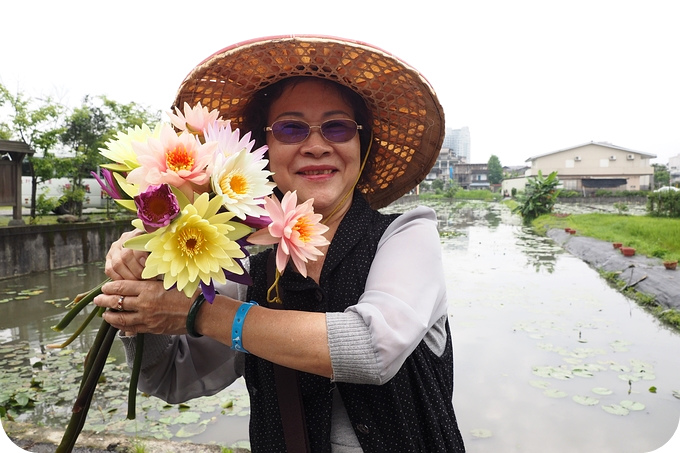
x,y
296,229
179,160
195,120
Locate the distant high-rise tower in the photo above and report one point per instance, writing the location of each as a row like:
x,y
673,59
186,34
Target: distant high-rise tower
x,y
458,140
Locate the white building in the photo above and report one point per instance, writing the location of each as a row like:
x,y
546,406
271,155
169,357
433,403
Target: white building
x,y
674,169
458,141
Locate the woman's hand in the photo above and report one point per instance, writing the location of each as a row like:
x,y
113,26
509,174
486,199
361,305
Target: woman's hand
x,y
122,263
144,307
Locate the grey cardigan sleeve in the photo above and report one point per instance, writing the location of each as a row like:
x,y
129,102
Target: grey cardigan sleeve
x,y
178,368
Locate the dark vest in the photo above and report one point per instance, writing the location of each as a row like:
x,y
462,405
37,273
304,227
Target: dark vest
x,y
413,412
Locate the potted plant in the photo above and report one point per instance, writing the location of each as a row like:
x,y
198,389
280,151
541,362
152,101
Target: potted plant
x,y
627,251
670,264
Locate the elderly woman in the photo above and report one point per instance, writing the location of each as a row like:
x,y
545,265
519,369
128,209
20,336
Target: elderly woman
x,y
358,357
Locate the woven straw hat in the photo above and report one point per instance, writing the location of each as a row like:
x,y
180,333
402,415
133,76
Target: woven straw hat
x,y
408,119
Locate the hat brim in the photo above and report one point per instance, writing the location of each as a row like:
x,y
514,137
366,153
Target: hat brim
x,y
408,119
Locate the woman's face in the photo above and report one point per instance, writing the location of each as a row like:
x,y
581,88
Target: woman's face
x,y
315,167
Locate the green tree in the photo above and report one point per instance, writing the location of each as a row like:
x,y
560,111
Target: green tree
x,y
437,184
87,130
662,176
539,196
38,127
494,170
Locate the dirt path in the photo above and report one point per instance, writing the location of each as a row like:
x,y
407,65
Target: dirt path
x,y
647,275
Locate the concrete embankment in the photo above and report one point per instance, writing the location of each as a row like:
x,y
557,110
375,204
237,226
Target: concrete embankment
x,y
36,248
645,274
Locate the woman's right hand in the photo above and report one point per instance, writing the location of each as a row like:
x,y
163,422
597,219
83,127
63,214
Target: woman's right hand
x,y
123,263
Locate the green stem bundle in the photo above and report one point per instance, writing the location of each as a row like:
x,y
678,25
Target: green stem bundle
x,y
94,366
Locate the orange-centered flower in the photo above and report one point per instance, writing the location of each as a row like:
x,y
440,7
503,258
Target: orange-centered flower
x,y
295,228
179,159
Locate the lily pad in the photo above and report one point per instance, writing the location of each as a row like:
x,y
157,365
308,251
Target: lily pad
x,y
539,384
632,405
191,430
585,400
616,409
554,393
481,433
602,391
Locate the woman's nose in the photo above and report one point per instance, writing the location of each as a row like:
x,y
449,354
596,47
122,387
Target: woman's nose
x,y
316,144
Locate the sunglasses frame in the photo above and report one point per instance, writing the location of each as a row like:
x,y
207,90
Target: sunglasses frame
x,y
310,127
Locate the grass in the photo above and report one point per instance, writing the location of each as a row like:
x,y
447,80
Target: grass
x,y
52,219
668,316
651,236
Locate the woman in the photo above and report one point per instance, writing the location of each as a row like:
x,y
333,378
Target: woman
x,y
367,331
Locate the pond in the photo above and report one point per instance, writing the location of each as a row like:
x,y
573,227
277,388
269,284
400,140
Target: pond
x,y
548,357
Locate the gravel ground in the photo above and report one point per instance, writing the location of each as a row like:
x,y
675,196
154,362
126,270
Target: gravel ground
x,y
36,439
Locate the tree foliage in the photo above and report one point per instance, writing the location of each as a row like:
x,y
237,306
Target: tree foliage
x,y
539,196
36,123
86,131
662,177
47,126
494,170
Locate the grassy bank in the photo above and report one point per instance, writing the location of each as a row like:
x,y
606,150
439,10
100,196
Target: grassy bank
x,y
651,236
51,219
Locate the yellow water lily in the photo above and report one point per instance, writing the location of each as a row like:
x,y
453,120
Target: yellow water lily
x,y
120,150
196,248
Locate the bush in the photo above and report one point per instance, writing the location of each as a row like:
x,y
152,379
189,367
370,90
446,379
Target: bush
x,y
539,197
569,194
664,204
620,193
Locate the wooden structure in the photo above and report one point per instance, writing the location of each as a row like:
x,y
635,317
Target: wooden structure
x,y
12,153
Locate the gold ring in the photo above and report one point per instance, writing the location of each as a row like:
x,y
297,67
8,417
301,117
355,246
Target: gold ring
x,y
120,303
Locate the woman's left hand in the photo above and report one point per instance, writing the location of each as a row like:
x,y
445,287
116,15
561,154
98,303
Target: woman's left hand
x,y
144,306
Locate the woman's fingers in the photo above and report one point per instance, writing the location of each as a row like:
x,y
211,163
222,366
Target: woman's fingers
x,y
123,263
144,306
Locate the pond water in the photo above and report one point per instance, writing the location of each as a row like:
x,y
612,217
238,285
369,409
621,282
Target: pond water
x,y
548,357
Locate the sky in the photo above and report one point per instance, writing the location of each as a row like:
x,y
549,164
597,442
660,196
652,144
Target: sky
x,y
527,77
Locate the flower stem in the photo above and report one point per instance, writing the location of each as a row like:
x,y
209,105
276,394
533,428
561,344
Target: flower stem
x,y
136,366
94,365
275,287
80,304
90,317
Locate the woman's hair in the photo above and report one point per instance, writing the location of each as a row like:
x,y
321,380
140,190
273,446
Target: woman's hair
x,y
256,111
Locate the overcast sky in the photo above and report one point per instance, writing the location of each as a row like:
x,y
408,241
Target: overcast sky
x,y
527,77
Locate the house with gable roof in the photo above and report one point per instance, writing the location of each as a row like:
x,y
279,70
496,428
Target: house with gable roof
x,y
596,165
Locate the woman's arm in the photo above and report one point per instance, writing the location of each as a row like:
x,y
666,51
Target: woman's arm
x,y
291,338
404,302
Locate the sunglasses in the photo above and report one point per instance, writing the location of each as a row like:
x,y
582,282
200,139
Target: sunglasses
x,y
296,131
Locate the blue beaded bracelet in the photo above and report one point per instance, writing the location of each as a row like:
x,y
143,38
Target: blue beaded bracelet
x,y
237,326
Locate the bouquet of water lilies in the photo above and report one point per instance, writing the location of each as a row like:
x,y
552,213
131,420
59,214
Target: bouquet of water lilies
x,y
200,193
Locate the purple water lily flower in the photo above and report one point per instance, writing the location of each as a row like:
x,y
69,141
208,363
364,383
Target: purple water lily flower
x,y
157,207
108,186
257,222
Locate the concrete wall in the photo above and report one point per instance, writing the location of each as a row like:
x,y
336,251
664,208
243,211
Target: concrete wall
x,y
26,249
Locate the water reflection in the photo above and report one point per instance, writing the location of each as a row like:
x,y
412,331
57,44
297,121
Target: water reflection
x,y
541,252
546,352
